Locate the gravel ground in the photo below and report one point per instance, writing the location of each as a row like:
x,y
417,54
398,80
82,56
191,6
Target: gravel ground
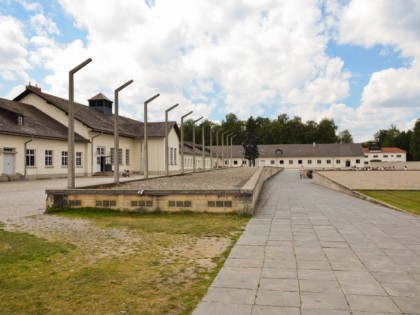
x,y
378,180
22,206
232,178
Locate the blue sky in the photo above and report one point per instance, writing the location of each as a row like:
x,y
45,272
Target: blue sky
x,y
354,61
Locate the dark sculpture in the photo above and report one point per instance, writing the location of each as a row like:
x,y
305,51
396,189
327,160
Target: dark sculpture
x,y
251,148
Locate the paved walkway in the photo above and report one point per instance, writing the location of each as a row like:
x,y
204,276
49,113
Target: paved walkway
x,y
25,198
310,250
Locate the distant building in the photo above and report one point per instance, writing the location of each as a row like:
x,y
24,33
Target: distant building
x,y
375,153
296,156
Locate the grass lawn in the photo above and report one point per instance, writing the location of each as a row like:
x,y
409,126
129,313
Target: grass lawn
x,y
141,264
405,200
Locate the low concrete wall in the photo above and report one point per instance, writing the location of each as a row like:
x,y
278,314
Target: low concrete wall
x,y
327,182
256,182
215,201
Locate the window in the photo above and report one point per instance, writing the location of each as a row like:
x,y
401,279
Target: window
x,y
357,161
112,156
78,158
338,161
281,161
375,155
300,162
366,156
64,160
30,157
127,157
20,120
279,152
120,159
318,162
273,162
48,158
399,155
290,161
175,156
235,162
171,152
328,161
309,161
385,155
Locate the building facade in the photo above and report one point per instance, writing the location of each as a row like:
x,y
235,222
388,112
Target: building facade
x,y
33,138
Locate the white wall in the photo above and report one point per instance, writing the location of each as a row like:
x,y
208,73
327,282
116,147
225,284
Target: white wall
x,y
40,170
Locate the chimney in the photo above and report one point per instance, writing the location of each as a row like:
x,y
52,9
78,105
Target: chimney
x,y
32,87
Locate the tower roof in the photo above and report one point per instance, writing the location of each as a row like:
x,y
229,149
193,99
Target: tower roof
x,y
99,97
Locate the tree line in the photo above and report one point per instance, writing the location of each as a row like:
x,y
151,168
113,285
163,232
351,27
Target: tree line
x,y
406,140
286,130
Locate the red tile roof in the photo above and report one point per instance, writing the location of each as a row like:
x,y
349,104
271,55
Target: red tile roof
x,y
385,150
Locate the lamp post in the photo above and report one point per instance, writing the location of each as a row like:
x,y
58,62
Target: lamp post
x,y
146,151
70,154
182,141
227,149
223,143
231,155
193,148
202,147
217,145
166,139
211,146
116,134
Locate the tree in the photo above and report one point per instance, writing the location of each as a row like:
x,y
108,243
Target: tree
x,y
251,148
415,142
188,130
345,136
387,137
326,131
311,130
235,126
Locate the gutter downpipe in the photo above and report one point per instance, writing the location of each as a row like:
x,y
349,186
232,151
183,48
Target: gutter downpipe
x,y
24,148
91,152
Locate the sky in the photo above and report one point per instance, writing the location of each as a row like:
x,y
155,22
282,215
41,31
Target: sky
x,y
354,61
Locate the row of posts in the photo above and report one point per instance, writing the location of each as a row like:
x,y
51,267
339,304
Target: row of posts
x,y
71,141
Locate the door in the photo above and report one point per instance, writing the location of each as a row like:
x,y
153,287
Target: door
x,y
347,163
100,159
8,163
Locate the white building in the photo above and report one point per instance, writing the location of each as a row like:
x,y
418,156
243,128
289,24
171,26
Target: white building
x,y
33,138
297,156
385,154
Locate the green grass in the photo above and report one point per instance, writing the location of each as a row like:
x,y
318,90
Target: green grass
x,y
161,275
405,200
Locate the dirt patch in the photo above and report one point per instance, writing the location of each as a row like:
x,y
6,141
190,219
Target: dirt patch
x,y
202,250
96,241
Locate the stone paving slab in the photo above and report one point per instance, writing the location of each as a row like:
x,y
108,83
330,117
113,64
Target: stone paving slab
x,y
321,252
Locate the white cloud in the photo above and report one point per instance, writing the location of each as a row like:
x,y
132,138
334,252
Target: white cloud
x,y
254,53
214,57
30,6
392,95
12,46
43,26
